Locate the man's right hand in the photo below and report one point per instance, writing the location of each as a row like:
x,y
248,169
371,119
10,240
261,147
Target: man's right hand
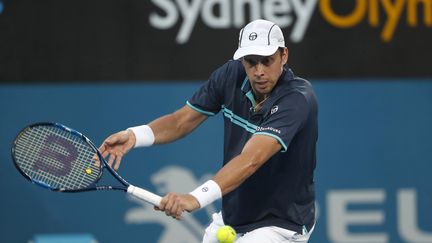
x,y
116,146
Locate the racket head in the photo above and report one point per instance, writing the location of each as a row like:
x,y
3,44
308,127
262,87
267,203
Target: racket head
x,y
57,157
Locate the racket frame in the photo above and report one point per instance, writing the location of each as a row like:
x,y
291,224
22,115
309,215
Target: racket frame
x,y
103,164
125,186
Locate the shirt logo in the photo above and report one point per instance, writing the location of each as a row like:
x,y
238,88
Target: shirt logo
x,y
274,109
253,36
262,129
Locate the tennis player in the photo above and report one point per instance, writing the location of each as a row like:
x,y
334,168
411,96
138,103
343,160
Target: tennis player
x,y
270,134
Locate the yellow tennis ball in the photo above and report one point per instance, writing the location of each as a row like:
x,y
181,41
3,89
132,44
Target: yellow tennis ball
x,y
88,171
226,234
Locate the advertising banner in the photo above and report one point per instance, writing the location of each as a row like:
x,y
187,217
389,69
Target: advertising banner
x,y
112,40
372,176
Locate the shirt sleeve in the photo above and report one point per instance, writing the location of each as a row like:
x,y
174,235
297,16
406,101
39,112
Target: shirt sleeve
x,y
208,99
286,118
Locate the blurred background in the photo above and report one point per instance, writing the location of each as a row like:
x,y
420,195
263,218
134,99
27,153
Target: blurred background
x,y
101,66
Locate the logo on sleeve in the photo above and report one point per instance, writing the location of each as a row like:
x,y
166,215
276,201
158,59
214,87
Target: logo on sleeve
x,y
274,109
264,129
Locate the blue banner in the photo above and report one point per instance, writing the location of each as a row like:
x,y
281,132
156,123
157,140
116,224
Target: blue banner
x,y
374,162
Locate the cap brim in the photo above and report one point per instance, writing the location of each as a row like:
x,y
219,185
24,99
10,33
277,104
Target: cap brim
x,y
255,50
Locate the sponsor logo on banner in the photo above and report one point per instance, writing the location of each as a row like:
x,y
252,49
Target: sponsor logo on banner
x,y
386,15
189,229
360,208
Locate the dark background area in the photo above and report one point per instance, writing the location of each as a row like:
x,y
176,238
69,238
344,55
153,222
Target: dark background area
x,y
111,40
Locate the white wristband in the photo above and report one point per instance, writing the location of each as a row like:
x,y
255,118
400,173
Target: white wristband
x,y
144,136
207,193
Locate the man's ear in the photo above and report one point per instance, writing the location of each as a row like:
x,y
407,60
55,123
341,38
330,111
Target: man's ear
x,y
285,55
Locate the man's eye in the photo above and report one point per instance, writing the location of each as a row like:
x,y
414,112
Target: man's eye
x,y
251,62
265,61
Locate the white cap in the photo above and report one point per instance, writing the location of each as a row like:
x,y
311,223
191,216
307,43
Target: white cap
x,y
259,37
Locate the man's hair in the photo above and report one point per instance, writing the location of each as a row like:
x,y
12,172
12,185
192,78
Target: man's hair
x,y
281,50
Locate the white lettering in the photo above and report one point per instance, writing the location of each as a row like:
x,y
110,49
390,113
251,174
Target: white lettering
x,y
232,13
407,211
190,15
339,217
239,11
304,14
221,21
169,20
260,129
274,11
285,13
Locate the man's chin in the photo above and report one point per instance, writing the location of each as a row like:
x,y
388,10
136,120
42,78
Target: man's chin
x,y
263,90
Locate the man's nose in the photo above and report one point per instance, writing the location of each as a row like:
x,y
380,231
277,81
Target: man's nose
x,y
259,70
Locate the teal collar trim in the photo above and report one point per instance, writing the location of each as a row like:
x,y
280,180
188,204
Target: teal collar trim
x,y
244,84
251,98
248,91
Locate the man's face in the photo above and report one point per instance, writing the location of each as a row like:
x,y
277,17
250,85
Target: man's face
x,y
264,71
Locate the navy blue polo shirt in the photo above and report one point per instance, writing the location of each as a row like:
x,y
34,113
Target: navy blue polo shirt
x,y
281,192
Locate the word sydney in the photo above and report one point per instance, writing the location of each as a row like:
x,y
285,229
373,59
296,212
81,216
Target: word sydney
x,y
223,14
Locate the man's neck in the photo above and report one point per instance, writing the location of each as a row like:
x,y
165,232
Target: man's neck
x,y
260,97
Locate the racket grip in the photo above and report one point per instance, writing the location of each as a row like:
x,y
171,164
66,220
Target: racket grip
x,y
144,195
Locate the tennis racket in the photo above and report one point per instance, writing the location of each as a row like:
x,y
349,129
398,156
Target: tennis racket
x,y
61,159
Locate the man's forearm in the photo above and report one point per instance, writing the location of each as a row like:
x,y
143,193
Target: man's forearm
x,y
176,125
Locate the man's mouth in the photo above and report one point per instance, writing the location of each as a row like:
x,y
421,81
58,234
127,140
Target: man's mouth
x,y
261,84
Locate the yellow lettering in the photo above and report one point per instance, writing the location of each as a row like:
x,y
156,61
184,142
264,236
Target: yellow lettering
x,y
390,11
343,21
373,13
412,12
393,13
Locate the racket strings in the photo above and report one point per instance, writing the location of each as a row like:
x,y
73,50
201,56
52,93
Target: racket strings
x,y
56,157
31,165
51,165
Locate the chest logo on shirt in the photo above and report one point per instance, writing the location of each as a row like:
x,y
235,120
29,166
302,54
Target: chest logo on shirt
x,y
274,109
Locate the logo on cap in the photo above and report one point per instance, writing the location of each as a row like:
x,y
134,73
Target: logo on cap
x,y
253,36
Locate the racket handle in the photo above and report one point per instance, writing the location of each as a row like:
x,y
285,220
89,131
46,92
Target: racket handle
x,y
144,195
